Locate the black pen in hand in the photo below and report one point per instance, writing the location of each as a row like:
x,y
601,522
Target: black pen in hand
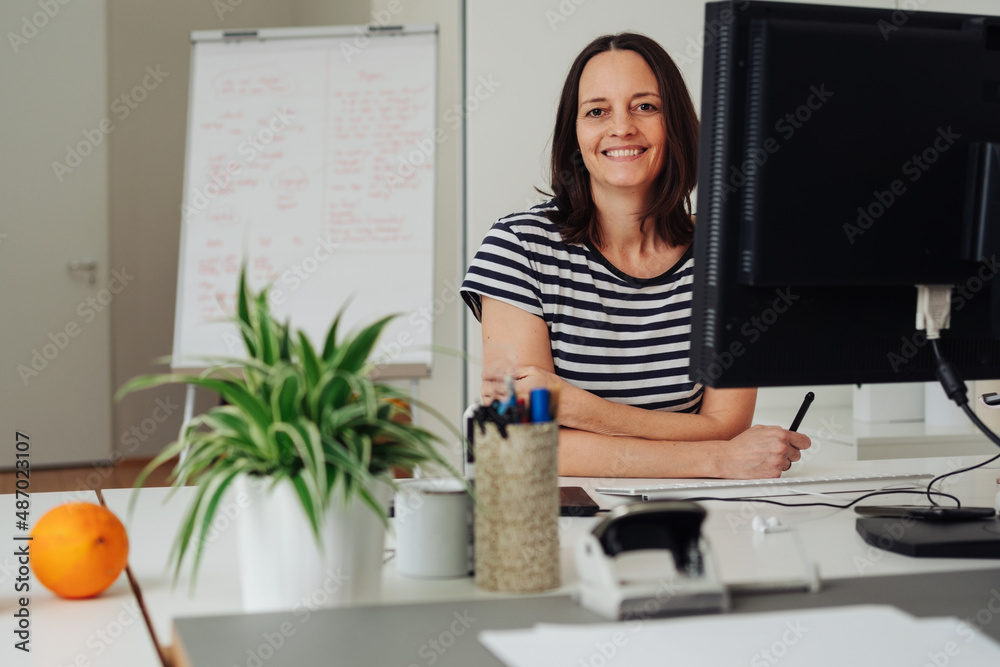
x,y
806,402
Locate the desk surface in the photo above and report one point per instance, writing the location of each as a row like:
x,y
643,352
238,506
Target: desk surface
x,y
106,630
827,535
444,633
852,571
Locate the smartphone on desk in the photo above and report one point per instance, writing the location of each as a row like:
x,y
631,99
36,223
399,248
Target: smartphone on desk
x,y
927,513
574,501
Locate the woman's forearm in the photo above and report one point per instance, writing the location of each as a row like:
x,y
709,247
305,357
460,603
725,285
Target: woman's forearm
x,y
757,453
584,411
586,454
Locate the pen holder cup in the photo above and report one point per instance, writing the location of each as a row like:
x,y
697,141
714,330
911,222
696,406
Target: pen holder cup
x,y
517,508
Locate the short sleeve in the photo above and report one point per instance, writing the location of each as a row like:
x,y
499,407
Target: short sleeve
x,y
503,270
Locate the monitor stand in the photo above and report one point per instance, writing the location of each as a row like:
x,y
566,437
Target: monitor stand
x,y
929,539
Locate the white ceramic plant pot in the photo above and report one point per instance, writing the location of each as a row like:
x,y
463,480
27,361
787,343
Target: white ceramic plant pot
x,y
281,565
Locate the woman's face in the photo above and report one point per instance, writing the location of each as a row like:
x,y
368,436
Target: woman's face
x,y
619,124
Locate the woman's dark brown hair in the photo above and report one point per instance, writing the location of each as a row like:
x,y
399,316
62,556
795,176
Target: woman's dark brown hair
x,y
670,208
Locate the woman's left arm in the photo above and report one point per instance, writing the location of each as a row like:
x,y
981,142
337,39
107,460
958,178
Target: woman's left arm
x,y
731,409
724,414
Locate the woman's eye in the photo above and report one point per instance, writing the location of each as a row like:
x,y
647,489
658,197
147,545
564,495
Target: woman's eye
x,y
594,113
646,106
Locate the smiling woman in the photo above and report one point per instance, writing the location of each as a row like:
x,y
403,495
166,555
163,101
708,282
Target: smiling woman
x,y
592,290
653,106
619,127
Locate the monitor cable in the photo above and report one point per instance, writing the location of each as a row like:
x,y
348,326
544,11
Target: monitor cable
x,y
956,390
934,314
843,506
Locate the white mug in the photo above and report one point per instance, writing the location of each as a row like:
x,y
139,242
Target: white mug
x,y
433,525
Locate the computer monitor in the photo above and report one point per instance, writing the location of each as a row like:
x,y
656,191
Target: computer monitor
x,y
846,155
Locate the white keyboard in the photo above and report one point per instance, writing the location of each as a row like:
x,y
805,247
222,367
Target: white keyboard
x,y
767,487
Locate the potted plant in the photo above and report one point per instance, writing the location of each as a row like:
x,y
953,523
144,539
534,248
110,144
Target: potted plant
x,y
302,427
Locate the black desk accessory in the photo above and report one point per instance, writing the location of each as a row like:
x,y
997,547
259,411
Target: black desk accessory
x,y
932,539
937,513
574,501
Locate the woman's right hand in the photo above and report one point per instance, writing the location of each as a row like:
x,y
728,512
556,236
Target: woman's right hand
x,y
761,452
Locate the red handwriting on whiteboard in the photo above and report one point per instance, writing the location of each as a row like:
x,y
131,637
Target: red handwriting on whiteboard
x,y
224,216
208,267
253,81
376,130
232,264
293,179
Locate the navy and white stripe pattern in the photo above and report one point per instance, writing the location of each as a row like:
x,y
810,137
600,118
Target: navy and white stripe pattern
x,y
624,339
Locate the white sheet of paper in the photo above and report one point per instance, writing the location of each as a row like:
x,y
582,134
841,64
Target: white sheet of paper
x,y
860,636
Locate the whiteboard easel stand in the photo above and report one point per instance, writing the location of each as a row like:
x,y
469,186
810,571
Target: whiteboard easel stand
x,y
188,414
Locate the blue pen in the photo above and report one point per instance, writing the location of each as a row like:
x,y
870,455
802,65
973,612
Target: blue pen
x,y
540,405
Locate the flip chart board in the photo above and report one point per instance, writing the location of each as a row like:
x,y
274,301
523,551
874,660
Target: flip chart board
x,y
310,156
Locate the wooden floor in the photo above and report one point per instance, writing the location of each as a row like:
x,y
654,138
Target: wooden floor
x,y
120,476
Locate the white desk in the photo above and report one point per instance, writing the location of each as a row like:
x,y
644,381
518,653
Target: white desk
x,y
827,535
406,634
106,630
151,533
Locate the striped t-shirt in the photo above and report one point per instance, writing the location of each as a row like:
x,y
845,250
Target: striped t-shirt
x,y
624,339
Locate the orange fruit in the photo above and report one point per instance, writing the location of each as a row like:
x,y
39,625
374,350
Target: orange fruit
x,y
78,549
